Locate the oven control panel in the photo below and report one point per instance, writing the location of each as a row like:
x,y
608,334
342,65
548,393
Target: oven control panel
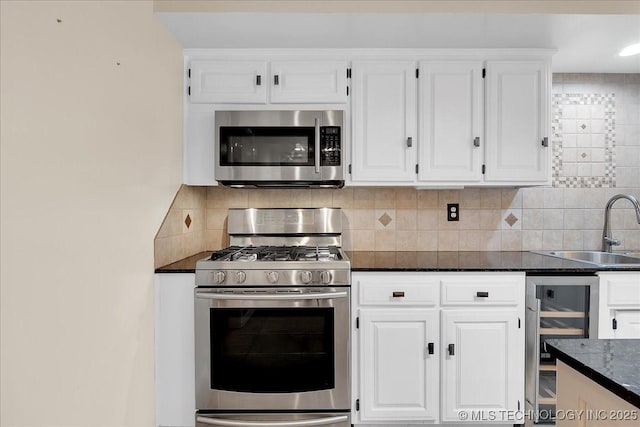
x,y
283,277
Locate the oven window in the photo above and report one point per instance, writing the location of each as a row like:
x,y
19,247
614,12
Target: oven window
x,y
267,146
272,350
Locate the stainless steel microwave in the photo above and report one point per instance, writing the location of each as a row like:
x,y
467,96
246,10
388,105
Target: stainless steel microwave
x,y
279,148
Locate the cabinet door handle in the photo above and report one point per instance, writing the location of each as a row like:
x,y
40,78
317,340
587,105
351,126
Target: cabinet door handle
x,y
276,80
476,141
258,80
410,141
545,141
398,294
452,349
430,348
481,294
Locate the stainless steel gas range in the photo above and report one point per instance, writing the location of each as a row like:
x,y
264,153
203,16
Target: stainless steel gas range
x,y
272,322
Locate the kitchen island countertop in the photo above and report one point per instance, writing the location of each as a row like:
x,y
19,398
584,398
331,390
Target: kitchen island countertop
x,y
611,363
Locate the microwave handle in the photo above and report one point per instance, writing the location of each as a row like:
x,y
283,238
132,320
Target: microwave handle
x,y
317,145
300,423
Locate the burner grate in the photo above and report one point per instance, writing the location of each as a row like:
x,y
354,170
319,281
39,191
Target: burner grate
x,y
277,253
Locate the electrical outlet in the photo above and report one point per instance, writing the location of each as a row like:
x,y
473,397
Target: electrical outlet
x,y
453,212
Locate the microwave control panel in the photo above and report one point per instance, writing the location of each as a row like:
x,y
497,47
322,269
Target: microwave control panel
x,y
330,146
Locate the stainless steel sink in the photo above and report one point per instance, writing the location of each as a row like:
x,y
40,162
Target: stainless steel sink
x,y
603,259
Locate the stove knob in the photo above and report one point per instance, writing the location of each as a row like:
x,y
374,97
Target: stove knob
x,y
272,276
325,277
241,276
219,276
305,276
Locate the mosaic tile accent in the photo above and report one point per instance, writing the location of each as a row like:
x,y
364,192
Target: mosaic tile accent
x,y
584,136
385,219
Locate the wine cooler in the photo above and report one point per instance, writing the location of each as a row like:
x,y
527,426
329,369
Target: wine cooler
x,y
556,307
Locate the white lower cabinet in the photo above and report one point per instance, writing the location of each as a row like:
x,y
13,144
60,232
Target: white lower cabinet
x,y
619,305
399,374
438,347
174,346
482,358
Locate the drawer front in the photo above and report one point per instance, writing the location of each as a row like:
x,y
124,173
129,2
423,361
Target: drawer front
x,y
398,290
624,291
478,291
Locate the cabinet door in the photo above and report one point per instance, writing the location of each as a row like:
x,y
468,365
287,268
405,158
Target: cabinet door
x,y
483,363
175,353
398,377
384,122
228,82
627,323
619,299
450,121
309,82
199,153
517,108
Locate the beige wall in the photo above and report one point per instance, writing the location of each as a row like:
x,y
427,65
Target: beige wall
x,y
91,159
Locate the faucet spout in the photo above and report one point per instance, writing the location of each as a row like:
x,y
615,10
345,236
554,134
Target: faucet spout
x,y
607,241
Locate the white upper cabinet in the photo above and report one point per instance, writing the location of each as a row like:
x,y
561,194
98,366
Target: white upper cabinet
x,y
384,122
517,123
478,122
262,82
228,82
450,121
414,117
309,81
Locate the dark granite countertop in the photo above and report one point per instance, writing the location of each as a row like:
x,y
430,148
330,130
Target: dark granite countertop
x,y
186,265
470,261
440,261
614,364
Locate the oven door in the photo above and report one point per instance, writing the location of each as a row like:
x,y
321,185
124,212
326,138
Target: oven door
x,y
272,348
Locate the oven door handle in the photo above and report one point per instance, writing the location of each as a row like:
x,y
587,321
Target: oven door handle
x,y
302,423
272,297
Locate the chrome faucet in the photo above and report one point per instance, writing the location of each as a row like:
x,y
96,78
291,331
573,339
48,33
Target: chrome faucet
x,y
607,241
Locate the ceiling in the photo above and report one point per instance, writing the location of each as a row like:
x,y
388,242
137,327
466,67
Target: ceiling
x,y
584,43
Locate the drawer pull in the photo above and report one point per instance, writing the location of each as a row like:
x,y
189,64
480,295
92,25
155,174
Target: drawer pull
x,y
398,294
481,294
452,349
